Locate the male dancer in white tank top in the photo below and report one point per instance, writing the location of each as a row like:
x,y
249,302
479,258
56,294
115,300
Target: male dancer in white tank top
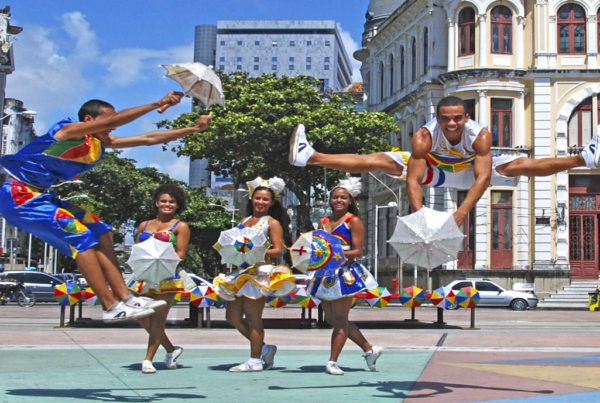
x,y
449,151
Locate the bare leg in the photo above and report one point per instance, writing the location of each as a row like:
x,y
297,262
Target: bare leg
x,y
253,310
105,251
336,314
234,313
355,164
155,326
87,261
539,167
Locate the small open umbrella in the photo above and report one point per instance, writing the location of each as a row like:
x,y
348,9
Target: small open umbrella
x,y
203,296
306,300
412,297
197,81
67,294
378,297
242,247
153,260
90,297
427,238
443,297
468,297
278,302
317,251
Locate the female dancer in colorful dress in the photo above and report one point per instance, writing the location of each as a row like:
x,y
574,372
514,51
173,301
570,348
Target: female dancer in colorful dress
x,y
245,290
169,201
336,290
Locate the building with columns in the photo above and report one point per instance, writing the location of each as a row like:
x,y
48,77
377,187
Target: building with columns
x,y
527,70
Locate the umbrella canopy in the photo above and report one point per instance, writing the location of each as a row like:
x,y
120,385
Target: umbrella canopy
x,y
378,297
242,247
443,297
427,238
317,251
412,297
90,297
278,302
153,260
67,294
468,297
203,296
306,300
197,81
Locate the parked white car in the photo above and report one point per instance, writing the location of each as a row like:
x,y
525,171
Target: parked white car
x,y
493,295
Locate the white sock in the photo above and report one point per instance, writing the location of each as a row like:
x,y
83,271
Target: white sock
x,y
369,352
254,361
265,349
127,298
113,306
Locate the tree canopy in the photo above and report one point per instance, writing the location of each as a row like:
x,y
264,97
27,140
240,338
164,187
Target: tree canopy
x,y
250,137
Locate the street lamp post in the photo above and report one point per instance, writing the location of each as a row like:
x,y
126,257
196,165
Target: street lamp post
x,y
233,210
376,264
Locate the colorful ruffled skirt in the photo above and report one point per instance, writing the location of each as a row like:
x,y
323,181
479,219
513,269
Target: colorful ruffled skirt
x,y
346,281
180,282
257,281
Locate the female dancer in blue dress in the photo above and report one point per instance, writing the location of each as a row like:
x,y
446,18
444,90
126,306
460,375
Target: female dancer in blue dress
x,y
336,290
246,290
169,200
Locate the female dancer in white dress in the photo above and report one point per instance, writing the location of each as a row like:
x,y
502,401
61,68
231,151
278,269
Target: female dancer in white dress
x,y
336,290
246,290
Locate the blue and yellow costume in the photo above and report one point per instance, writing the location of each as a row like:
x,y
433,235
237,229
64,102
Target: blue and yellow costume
x,y
349,279
181,282
27,203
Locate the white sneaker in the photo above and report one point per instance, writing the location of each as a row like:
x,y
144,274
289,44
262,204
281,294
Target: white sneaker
x,y
332,368
371,358
171,359
246,367
147,367
300,149
269,358
590,153
146,303
123,312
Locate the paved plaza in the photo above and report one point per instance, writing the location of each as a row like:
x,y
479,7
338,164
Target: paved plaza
x,y
532,356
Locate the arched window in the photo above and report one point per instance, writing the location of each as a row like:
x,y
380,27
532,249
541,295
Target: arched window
x,y
402,69
466,26
425,50
391,74
381,81
413,49
571,29
501,30
580,124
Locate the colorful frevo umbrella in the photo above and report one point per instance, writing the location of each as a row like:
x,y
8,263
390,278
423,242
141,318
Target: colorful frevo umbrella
x,y
90,297
378,297
278,302
468,297
443,297
67,294
412,297
307,301
318,252
203,296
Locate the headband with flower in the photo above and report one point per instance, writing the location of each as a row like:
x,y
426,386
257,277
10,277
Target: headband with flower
x,y
351,184
275,184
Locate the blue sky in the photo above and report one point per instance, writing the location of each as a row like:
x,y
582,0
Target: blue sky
x,y
71,51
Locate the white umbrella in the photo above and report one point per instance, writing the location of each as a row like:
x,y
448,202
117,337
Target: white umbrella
x,y
153,260
197,81
427,238
242,247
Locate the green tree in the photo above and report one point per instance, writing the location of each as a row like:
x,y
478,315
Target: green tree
x,y
251,137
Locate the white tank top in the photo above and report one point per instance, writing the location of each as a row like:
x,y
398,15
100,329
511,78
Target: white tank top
x,y
262,224
442,147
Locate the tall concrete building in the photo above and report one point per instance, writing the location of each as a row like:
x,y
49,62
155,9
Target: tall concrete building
x,y
312,48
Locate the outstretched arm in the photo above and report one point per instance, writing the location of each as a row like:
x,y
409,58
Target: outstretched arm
x,y
159,136
416,168
111,120
482,168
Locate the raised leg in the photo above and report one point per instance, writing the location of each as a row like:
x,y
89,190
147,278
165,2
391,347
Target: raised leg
x,y
355,164
539,167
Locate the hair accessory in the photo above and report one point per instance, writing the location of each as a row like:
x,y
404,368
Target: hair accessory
x,y
351,184
275,184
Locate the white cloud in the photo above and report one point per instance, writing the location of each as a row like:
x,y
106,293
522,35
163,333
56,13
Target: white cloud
x,y
351,46
79,30
179,168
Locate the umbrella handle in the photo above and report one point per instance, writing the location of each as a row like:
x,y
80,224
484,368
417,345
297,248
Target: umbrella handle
x,y
164,108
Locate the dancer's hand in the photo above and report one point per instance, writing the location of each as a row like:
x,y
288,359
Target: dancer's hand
x,y
203,122
172,98
459,218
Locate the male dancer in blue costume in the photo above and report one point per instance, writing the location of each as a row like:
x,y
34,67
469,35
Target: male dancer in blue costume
x,y
451,150
67,150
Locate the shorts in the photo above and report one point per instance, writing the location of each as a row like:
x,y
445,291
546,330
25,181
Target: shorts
x,y
452,172
62,225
